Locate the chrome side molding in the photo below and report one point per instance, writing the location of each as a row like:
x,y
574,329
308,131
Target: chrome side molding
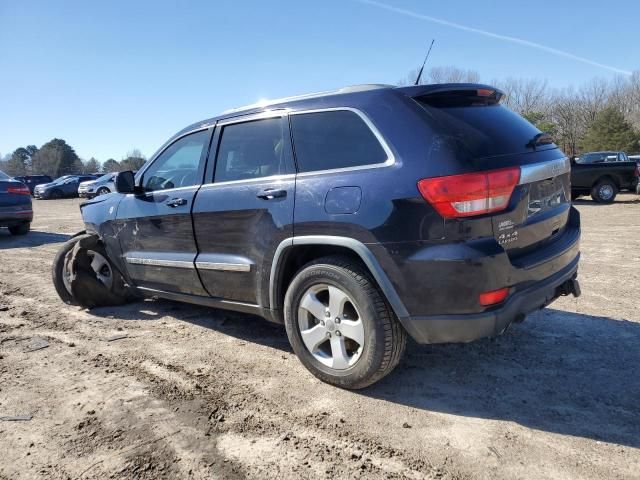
x,y
226,267
154,262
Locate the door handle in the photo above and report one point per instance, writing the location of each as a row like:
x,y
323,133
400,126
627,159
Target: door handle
x,y
176,202
271,193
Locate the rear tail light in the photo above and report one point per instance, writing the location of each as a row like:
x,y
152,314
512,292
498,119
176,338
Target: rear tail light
x,y
637,172
20,190
493,297
470,193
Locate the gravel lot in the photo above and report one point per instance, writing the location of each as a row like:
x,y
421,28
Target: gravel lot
x,y
198,393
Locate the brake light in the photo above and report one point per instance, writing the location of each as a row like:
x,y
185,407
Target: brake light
x,y
493,297
20,190
470,193
485,92
637,172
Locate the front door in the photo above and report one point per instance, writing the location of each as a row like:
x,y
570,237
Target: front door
x,y
155,228
246,208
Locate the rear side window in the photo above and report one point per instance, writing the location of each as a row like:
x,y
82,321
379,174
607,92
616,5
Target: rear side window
x,y
334,139
477,129
251,150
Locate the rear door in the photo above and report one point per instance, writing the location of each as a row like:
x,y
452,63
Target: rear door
x,y
245,209
155,228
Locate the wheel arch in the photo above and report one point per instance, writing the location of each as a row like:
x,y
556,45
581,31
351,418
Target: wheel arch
x,y
607,177
293,253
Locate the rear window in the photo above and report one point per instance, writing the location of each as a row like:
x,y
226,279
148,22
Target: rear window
x,y
478,129
334,139
598,157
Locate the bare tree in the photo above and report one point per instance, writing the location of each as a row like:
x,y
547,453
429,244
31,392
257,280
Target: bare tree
x,y
565,112
446,74
525,96
593,97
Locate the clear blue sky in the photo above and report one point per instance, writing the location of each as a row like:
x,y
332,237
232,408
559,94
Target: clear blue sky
x,y
113,75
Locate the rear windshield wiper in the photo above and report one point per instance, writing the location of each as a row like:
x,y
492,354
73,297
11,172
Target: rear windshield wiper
x,y
541,138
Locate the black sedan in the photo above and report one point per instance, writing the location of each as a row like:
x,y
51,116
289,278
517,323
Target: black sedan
x,y
15,205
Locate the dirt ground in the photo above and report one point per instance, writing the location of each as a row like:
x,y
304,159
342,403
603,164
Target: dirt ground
x,y
198,393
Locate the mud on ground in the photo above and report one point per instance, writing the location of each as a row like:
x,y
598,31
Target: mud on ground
x,y
191,392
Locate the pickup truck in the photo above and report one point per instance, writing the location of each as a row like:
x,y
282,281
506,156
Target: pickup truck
x,y
603,175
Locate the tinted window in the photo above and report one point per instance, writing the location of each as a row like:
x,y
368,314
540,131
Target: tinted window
x,y
477,130
337,139
251,150
178,165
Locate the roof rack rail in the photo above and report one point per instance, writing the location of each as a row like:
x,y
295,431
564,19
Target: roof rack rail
x,y
350,89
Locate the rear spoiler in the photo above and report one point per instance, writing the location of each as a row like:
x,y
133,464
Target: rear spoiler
x,y
487,92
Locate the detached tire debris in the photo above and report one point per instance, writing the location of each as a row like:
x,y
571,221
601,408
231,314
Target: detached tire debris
x,y
83,275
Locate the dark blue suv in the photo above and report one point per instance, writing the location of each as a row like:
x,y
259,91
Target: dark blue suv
x,y
354,217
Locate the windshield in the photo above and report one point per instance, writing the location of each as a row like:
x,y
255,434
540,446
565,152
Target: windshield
x,y
105,178
597,157
4,176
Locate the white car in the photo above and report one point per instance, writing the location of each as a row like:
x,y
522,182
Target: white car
x,y
99,186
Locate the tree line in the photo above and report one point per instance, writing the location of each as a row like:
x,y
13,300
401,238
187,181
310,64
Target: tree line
x,y
56,158
598,115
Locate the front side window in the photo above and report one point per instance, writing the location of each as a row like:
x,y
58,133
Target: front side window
x,y
334,139
178,165
251,150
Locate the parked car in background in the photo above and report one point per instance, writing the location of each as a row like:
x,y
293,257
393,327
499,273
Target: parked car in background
x,y
32,181
15,205
99,186
355,217
65,186
602,175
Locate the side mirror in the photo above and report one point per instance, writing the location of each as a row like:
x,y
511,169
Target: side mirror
x,y
125,182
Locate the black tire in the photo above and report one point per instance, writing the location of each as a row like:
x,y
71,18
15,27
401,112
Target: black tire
x,y
604,191
21,229
91,296
55,195
103,191
384,336
575,196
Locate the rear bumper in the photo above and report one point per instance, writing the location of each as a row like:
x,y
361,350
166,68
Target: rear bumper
x,y
469,327
11,218
438,285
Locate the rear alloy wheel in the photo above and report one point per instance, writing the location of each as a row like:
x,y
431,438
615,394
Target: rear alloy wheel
x,y
604,191
330,326
339,324
103,191
21,229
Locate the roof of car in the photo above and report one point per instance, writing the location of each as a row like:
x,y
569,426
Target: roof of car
x,y
341,96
